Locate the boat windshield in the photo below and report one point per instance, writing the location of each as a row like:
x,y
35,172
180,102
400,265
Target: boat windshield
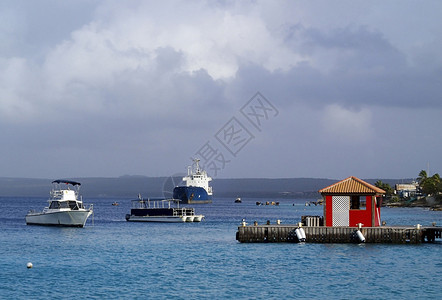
x,y
54,205
63,204
73,205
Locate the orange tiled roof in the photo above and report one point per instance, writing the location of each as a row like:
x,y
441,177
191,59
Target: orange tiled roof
x,y
352,185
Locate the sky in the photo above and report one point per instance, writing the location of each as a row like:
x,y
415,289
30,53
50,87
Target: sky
x,y
259,89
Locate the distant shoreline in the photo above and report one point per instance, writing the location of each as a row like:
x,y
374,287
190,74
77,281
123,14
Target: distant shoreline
x,y
131,186
430,203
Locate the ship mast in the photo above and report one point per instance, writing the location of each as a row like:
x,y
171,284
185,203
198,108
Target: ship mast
x,y
197,168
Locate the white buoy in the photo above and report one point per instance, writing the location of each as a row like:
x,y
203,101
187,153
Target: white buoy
x,y
29,265
360,236
300,234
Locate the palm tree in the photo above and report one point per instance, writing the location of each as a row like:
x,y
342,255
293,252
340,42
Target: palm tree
x,y
430,185
385,186
423,176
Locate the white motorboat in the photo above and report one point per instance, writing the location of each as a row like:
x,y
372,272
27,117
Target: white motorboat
x,y
65,207
161,210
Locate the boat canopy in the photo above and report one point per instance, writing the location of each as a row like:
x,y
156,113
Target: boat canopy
x,y
74,183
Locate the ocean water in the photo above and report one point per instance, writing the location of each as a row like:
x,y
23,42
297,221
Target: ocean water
x,y
112,259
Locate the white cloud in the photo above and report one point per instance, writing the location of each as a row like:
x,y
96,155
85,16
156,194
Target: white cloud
x,y
123,43
130,39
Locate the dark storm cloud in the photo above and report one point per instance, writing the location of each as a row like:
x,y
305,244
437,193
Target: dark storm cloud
x,y
366,70
137,87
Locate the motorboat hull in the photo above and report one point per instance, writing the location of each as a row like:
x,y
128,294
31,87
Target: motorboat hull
x,y
71,218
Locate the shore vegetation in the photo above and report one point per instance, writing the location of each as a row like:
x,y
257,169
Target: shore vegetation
x,y
427,193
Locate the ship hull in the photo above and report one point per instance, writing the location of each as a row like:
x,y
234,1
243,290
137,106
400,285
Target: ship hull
x,y
71,218
191,194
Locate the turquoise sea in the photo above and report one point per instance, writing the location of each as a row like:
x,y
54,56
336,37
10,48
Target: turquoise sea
x,y
112,259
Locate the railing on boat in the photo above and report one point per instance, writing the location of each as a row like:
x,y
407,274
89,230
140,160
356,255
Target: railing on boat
x,y
184,212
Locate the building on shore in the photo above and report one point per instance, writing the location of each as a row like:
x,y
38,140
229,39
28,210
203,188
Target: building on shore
x,y
407,190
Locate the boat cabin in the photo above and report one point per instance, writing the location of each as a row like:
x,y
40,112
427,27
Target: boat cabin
x,y
147,210
158,207
62,192
64,195
352,201
74,205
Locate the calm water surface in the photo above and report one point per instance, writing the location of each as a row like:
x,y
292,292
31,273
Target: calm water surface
x,y
111,258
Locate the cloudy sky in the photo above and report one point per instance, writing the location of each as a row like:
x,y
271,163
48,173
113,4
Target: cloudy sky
x,y
275,89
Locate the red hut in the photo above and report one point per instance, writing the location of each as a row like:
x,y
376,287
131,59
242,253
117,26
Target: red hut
x,y
352,201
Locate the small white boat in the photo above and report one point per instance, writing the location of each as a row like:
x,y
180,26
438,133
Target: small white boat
x,y
161,210
238,200
65,207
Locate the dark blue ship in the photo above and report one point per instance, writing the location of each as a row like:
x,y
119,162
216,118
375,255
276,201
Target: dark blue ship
x,y
197,189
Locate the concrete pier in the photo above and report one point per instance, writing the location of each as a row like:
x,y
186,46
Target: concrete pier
x,y
321,234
